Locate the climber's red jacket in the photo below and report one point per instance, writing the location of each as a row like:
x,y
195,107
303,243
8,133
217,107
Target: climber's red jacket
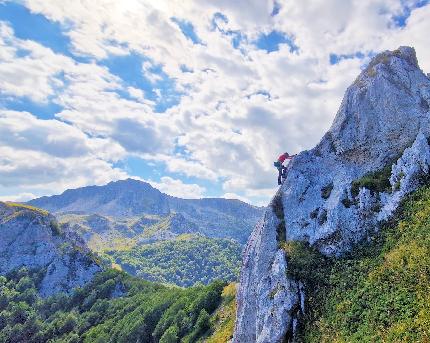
x,y
284,157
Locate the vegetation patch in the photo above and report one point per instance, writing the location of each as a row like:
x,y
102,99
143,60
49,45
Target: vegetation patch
x,y
347,202
378,181
26,207
222,321
278,209
326,191
305,263
314,213
322,216
55,228
380,291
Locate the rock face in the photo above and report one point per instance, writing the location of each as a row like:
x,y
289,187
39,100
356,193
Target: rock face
x,y
383,122
32,238
219,218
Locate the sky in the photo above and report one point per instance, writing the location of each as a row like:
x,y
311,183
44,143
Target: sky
x,y
196,97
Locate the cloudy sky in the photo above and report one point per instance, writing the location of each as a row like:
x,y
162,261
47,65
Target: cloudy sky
x,y
196,97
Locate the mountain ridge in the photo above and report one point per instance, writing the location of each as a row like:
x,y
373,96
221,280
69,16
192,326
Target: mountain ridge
x,y
130,183
214,217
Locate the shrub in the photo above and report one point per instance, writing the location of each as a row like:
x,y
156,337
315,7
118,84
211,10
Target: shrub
x,y
347,202
305,263
322,217
170,335
314,213
378,181
278,209
326,191
55,228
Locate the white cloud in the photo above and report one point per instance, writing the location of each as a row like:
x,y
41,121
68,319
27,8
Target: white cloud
x,y
239,109
179,189
34,75
51,155
31,169
21,197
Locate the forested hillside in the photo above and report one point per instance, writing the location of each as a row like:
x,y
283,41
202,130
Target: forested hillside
x,y
113,308
183,261
156,236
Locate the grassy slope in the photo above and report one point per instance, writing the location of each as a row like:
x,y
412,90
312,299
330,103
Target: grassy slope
x,y
380,292
222,321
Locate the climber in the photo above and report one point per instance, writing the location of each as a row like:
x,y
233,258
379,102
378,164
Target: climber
x,y
281,168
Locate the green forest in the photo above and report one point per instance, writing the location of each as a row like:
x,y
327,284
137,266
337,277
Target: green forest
x,y
184,261
114,307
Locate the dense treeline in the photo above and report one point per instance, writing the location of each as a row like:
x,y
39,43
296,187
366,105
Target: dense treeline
x,y
114,307
183,261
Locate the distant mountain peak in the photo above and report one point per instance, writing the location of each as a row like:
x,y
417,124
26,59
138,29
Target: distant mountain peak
x,y
213,217
130,182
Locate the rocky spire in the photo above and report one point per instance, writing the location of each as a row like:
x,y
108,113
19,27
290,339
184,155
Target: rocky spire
x,y
322,202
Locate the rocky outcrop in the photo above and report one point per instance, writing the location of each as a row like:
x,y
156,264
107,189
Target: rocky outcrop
x,y
408,173
32,238
268,304
334,194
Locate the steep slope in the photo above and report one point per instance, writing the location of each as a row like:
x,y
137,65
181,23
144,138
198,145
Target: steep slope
x,y
113,308
336,194
32,238
221,330
220,218
380,291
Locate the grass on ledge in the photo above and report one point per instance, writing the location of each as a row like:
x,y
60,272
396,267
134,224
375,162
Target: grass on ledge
x,y
26,207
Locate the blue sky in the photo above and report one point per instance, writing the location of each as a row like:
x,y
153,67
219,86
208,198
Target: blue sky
x,y
196,99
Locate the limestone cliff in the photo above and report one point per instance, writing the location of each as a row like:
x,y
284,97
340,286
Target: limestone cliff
x,y
374,154
32,238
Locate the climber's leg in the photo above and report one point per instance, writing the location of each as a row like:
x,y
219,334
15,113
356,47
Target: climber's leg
x,y
283,174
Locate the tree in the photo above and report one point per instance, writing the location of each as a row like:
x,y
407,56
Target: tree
x,y
170,335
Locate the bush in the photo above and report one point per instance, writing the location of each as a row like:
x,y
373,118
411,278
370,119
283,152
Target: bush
x,y
278,209
305,263
347,202
378,181
170,335
55,228
314,213
326,191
